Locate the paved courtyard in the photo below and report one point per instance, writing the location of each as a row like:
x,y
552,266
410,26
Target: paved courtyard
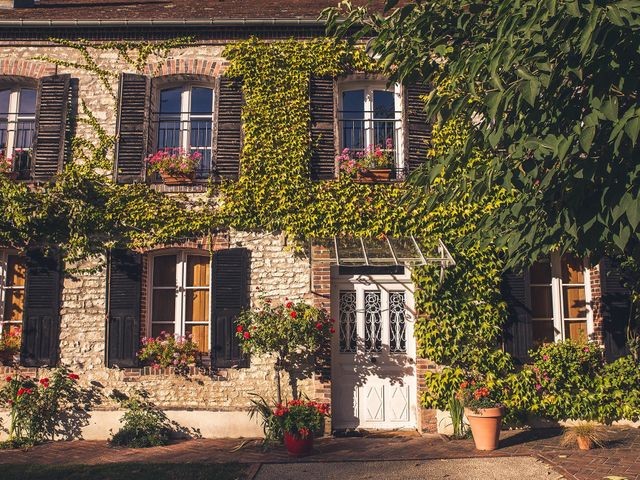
x,y
621,457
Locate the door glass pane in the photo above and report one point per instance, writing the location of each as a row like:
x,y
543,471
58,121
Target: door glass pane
x,y
540,272
576,330
397,323
348,330
164,271
200,335
543,332
575,304
372,322
197,271
197,306
541,302
572,269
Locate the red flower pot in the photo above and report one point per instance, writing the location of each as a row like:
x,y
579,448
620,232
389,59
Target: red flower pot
x,y
298,446
178,178
485,426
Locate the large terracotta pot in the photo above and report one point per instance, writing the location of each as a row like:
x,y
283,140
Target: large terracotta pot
x,y
178,179
298,446
375,175
485,426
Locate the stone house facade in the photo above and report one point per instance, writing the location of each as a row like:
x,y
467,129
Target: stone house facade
x,y
93,322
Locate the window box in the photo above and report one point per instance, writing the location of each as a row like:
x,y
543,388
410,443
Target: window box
x,y
178,178
374,175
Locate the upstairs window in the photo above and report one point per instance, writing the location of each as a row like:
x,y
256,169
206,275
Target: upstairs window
x,y
185,121
369,119
559,293
17,127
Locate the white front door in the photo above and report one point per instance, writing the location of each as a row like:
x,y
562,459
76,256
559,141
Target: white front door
x,y
373,354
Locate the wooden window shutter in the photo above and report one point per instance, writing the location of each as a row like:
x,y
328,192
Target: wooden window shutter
x,y
132,127
228,128
417,125
518,333
41,320
323,114
52,108
123,308
616,310
230,277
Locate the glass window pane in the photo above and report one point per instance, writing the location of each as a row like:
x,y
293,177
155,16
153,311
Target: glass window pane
x,y
383,104
164,271
404,248
164,306
168,133
158,328
540,272
541,302
543,332
4,102
378,251
372,322
201,100
576,330
572,269
353,104
170,100
350,250
575,303
197,271
197,306
200,335
27,101
16,269
14,305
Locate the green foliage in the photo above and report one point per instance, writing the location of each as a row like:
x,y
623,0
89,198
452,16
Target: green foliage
x,y
143,424
271,425
301,418
169,350
552,95
477,394
39,408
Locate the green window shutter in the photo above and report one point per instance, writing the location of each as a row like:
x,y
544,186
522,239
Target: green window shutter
x,y
230,277
228,128
418,126
132,128
41,319
123,308
51,126
323,114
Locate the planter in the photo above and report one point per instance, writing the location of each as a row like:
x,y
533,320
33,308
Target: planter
x,y
178,178
375,175
485,426
584,443
298,446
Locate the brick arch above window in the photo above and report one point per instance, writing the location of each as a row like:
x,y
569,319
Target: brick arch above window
x,y
25,68
180,66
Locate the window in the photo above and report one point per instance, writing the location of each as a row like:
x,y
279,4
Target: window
x,y
180,294
185,120
559,293
12,292
369,116
17,126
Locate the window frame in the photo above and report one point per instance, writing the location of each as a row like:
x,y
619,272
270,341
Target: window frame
x,y
179,323
4,267
14,117
369,85
185,116
557,297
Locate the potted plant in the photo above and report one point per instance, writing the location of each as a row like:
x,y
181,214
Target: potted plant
x,y
299,420
10,346
484,411
6,166
175,165
374,164
585,435
169,350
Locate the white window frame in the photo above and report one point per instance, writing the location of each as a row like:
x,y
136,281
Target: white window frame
x,y
4,261
14,117
179,323
369,86
186,117
557,297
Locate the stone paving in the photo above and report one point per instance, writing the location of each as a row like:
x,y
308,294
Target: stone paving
x,y
620,457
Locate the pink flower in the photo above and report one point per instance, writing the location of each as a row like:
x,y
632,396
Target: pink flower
x,y
538,386
586,349
545,357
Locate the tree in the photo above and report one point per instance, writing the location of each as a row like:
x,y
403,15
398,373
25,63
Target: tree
x,y
549,89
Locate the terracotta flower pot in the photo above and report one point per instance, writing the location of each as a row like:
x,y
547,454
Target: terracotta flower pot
x,y
178,178
298,446
584,443
485,426
375,175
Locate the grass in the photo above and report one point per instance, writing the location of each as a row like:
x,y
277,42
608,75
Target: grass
x,y
117,471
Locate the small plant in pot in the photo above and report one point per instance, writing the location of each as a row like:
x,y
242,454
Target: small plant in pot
x,y
585,435
175,165
299,420
374,164
484,410
6,165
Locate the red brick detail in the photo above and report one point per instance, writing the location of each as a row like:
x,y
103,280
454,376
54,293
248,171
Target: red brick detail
x,y
183,66
25,68
595,280
426,417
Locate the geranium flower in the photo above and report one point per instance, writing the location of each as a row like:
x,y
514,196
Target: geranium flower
x,y
73,376
239,328
319,326
289,305
293,314
247,335
332,330
8,379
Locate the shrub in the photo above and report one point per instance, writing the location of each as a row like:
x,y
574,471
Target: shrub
x,y
301,418
37,407
619,388
10,346
143,424
169,350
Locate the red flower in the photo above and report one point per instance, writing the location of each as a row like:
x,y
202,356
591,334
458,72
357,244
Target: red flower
x,y
44,381
247,335
293,314
319,326
332,330
73,376
239,328
289,305
304,432
464,384
255,327
8,379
